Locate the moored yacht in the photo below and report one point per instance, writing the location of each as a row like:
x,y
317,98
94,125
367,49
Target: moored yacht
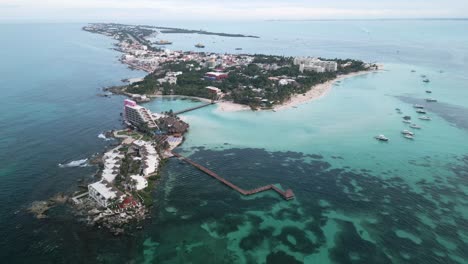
x,y
415,126
418,106
381,138
421,111
425,118
407,132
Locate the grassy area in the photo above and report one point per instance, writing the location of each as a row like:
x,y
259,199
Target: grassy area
x,y
132,134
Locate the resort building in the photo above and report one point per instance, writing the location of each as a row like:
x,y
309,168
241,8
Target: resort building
x,y
104,193
140,182
112,161
315,64
137,115
214,90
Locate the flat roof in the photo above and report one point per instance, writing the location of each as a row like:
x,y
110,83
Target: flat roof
x,y
106,192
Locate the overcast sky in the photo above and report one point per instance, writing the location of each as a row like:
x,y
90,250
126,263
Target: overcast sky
x,y
127,10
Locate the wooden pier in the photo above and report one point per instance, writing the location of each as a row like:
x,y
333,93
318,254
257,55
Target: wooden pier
x,y
193,108
287,195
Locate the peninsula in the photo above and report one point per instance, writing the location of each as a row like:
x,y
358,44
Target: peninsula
x,y
128,172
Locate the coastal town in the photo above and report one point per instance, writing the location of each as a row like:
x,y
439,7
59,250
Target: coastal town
x,y
257,81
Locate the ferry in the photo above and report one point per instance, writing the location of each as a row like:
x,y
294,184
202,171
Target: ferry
x,y
431,100
163,42
415,126
425,118
200,46
381,138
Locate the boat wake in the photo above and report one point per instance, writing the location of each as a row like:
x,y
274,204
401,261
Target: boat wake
x,y
74,163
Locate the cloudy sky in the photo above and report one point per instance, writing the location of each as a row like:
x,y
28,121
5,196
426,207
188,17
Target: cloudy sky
x,y
134,10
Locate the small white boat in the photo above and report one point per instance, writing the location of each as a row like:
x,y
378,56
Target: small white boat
x,y
421,111
381,138
425,118
415,126
407,121
407,132
418,106
409,137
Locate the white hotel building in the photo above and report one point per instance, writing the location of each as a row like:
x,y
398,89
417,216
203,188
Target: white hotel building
x,y
315,64
137,115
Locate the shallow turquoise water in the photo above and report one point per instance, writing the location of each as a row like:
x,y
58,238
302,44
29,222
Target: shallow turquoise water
x,y
357,200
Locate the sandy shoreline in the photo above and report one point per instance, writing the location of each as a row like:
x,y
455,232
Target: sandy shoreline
x,y
314,93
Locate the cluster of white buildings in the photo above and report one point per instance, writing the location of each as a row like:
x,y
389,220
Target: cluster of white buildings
x,y
112,161
315,64
137,115
103,191
149,157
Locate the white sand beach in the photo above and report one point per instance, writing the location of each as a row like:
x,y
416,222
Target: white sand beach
x,y
316,92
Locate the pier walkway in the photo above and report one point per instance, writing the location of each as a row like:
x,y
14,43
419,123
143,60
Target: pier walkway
x,y
287,195
193,108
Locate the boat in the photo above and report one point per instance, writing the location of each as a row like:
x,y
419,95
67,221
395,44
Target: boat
x,y
163,42
428,91
421,111
408,136
418,106
407,117
423,76
200,46
381,138
238,48
407,121
415,126
431,100
407,132
426,80
425,118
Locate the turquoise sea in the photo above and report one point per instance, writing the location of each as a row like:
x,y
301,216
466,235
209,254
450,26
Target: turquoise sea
x,y
357,200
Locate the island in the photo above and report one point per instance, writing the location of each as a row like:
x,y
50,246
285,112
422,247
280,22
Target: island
x,y
120,197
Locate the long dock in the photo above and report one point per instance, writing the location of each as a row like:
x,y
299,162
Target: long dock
x,y
287,195
193,108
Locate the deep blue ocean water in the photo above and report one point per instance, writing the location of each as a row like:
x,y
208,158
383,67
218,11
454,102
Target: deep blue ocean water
x,y
357,201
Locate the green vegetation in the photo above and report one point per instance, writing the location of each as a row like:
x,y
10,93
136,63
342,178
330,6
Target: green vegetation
x,y
256,84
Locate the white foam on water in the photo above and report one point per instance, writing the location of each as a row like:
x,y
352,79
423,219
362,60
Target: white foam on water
x,y
104,137
74,163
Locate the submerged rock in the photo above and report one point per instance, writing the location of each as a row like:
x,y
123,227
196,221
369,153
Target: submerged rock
x,y
40,208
